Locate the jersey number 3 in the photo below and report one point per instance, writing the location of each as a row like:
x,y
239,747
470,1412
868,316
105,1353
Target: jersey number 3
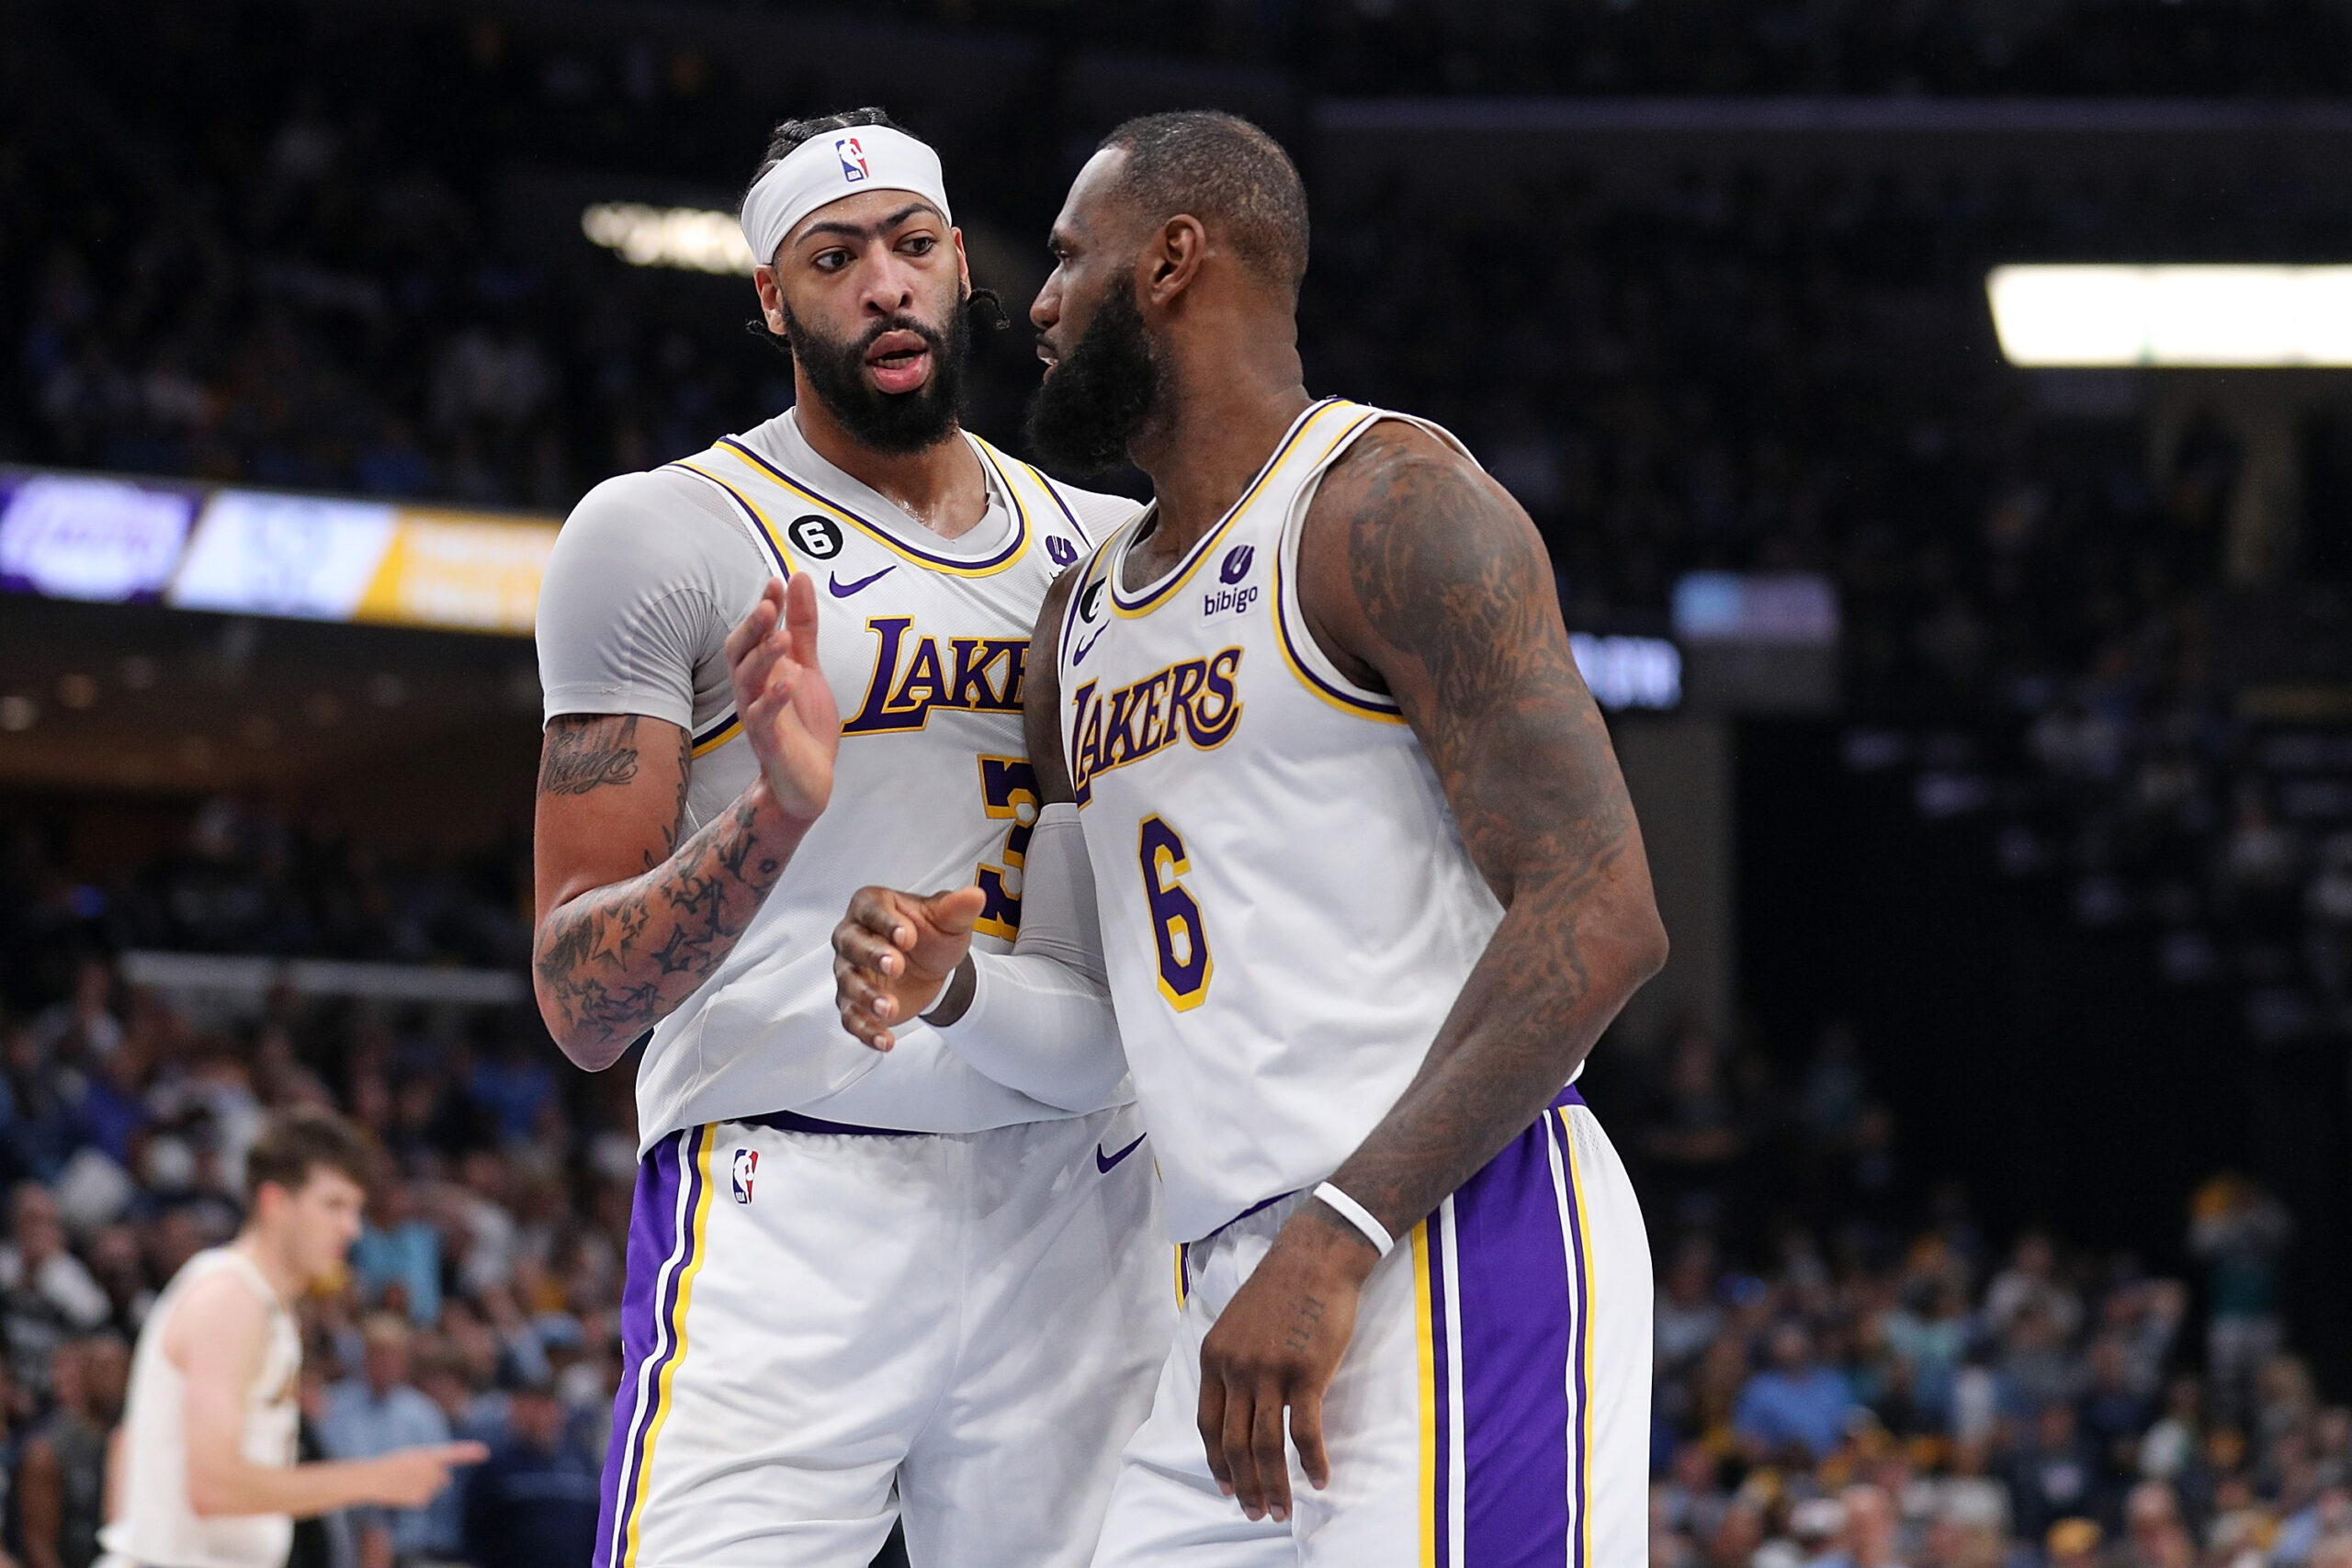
x,y
1184,966
1008,793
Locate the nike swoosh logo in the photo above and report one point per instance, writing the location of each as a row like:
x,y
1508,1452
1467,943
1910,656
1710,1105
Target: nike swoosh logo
x,y
1105,1165
1087,646
842,590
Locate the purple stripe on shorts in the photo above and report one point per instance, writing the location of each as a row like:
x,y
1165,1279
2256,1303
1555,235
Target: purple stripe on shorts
x,y
652,1237
1516,1333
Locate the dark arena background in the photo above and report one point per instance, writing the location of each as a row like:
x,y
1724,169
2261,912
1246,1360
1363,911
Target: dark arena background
x,y
1974,642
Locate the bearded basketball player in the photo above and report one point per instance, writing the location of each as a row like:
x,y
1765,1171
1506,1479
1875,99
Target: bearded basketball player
x,y
859,1287
1370,890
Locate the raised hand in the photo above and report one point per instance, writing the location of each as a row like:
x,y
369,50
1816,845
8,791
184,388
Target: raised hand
x,y
782,698
894,953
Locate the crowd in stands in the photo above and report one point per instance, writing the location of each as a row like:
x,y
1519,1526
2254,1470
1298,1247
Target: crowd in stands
x,y
479,1302
1861,1378
1882,1384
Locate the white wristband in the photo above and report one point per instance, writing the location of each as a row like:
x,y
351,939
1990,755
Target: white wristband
x,y
1356,1214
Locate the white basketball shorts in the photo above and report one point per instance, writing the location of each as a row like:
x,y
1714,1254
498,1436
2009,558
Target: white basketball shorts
x,y
824,1329
1491,1412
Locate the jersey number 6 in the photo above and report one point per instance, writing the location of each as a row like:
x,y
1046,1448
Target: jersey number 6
x,y
1185,967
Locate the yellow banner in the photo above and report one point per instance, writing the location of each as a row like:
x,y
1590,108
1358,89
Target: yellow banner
x,y
456,569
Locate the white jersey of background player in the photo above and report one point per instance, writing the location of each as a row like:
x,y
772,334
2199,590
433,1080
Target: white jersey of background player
x,y
203,1473
859,1286
1370,888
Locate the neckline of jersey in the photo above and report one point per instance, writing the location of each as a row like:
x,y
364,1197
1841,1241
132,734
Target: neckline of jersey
x,y
888,533
1154,594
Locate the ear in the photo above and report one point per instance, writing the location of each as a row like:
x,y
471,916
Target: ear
x,y
963,262
772,297
1172,261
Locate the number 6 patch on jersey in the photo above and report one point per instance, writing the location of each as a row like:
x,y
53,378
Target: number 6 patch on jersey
x,y
1176,928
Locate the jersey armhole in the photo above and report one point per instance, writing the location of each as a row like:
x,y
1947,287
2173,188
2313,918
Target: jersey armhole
x,y
1305,656
764,542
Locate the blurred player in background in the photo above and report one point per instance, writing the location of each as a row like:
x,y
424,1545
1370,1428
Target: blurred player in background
x,y
204,1461
1371,887
858,1286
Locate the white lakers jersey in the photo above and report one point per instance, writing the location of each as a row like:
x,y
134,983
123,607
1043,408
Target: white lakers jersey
x,y
156,1523
924,641
1287,906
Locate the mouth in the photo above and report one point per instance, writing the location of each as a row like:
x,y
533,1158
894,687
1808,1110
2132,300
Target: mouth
x,y
1045,355
898,361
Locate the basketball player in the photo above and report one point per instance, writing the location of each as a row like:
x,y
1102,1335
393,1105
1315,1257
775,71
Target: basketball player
x,y
205,1454
1370,888
859,1287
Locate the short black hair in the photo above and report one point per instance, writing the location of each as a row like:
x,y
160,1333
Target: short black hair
x,y
1224,171
790,133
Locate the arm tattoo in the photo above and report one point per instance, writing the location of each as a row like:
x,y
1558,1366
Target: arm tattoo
x,y
583,753
1452,600
612,962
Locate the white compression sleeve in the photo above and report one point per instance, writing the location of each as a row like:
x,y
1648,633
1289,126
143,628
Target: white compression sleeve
x,y
1040,1018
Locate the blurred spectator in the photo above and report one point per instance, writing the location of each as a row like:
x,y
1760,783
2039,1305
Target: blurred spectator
x,y
380,1411
2155,1535
2051,1477
1687,1317
62,1478
533,1503
1873,1529
2240,1231
2030,1283
2112,1413
398,1251
2073,1543
1793,1402
46,1293
1818,1530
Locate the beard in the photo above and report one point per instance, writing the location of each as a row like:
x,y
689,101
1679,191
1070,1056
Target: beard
x,y
1092,404
895,422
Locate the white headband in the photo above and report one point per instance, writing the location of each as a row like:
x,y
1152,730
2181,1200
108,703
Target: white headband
x,y
827,167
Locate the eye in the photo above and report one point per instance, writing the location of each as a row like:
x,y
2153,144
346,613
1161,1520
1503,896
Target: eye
x,y
830,261
920,244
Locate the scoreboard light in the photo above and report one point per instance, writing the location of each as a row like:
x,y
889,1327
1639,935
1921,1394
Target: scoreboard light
x,y
2236,317
691,239
1630,672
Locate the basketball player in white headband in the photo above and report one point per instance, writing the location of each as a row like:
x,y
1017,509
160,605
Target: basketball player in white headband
x,y
860,1286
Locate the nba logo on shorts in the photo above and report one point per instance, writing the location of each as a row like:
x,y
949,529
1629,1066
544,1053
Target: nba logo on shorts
x,y
852,159
747,1165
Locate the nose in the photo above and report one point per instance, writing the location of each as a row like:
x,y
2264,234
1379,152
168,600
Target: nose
x,y
1047,308
889,286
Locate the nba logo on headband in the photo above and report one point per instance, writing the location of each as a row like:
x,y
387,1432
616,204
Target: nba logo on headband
x,y
876,157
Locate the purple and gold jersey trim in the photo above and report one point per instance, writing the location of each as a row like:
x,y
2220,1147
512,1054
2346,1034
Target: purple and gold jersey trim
x,y
666,1247
762,528
1151,598
717,734
1362,704
1502,1282
954,566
